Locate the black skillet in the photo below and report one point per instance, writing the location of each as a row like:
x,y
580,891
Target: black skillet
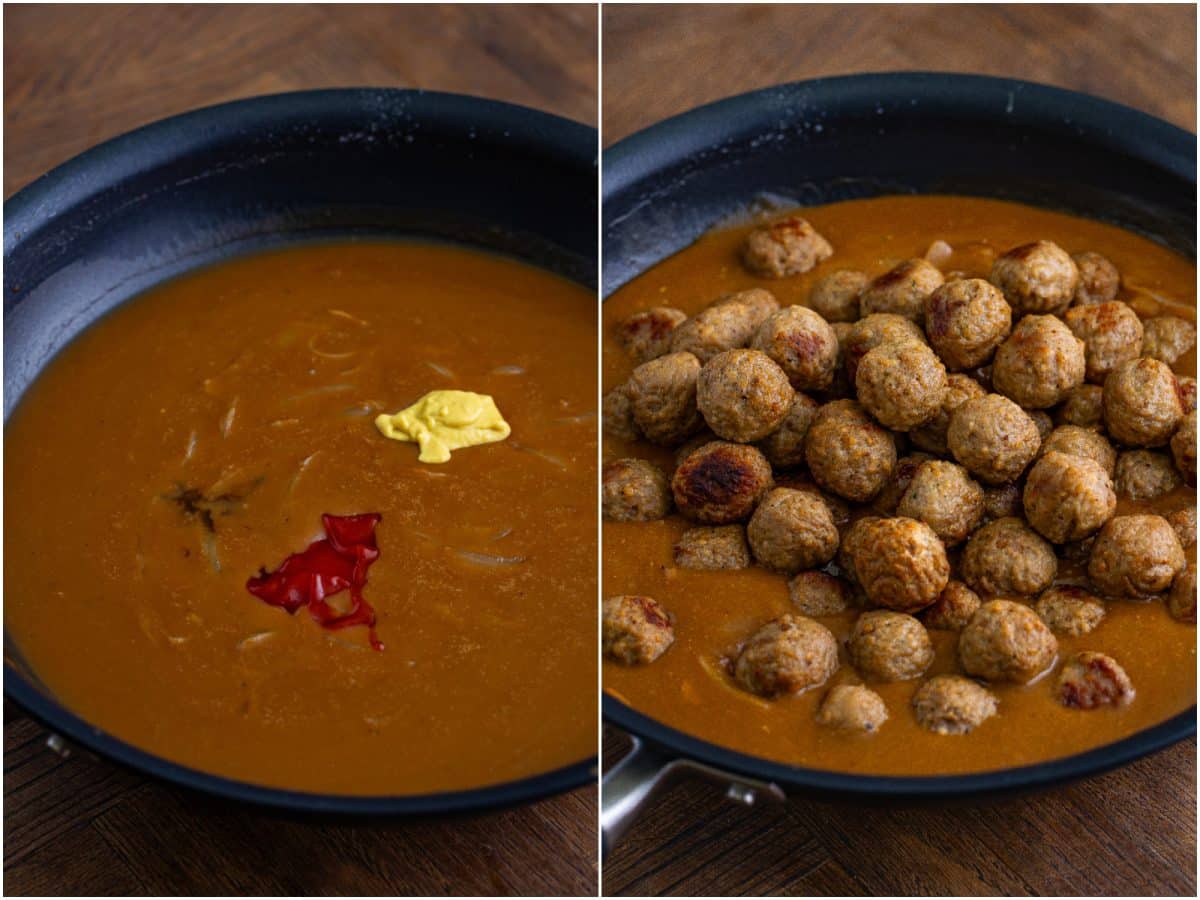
x,y
219,182
861,136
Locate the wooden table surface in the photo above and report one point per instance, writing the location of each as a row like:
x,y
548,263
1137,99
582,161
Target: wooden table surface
x,y
78,75
1132,831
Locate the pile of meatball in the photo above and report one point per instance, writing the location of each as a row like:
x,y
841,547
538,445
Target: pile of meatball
x,y
922,449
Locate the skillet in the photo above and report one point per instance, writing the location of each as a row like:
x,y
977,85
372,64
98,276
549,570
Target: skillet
x,y
827,140
219,182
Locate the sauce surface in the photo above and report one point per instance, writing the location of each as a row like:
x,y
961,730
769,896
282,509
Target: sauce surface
x,y
197,435
687,688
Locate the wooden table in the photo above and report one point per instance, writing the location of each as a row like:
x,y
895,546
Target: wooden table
x,y
1129,832
78,75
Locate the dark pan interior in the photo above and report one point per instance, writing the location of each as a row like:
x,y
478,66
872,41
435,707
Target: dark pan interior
x,y
219,182
862,136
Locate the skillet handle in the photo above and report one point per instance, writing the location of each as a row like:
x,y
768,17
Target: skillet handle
x,y
628,787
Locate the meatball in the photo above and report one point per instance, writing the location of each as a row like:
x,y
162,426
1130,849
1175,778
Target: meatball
x,y
802,344
1099,280
931,437
1036,278
852,542
1068,497
852,707
1008,557
1002,500
1184,523
1142,403
636,630
616,415
647,335
742,395
1042,421
1039,363
634,490
1187,393
902,385
784,447
1167,338
1183,448
890,646
721,483
1111,334
946,498
953,608
1135,556
888,499
789,246
1069,610
792,530
1089,680
1006,641
1145,475
815,593
835,296
965,322
1082,407
1181,601
727,324
847,453
951,704
787,655
902,290
900,563
1075,440
713,548
757,302
662,395
993,437
872,331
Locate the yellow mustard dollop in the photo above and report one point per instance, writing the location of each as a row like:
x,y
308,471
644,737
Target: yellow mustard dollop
x,y
443,421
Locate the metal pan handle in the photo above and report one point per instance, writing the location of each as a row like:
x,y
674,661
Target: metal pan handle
x,y
628,787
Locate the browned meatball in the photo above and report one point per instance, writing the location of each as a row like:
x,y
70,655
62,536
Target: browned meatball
x,y
726,324
743,395
1068,497
847,453
931,437
802,344
888,499
1069,610
647,335
713,548
1142,403
759,303
1042,421
870,332
1184,523
1187,393
634,490
1181,601
786,656
852,542
1003,500
792,530
616,415
1135,556
636,630
1036,278
1099,280
816,593
890,646
789,246
902,290
662,395
1006,641
1075,440
1111,334
946,498
852,707
1089,680
835,296
951,704
993,437
1082,407
784,447
953,608
965,322
902,385
1039,363
1167,338
721,483
1183,448
1145,475
1008,557
900,563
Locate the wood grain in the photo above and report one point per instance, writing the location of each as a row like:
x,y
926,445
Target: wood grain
x,y
77,75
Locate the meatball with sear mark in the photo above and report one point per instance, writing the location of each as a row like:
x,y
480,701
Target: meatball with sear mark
x,y
789,246
721,483
901,290
787,655
890,646
713,548
852,707
636,630
802,344
1068,497
951,704
634,490
1036,278
1006,641
1007,557
1039,363
1090,680
966,321
647,335
1135,556
743,395
1111,334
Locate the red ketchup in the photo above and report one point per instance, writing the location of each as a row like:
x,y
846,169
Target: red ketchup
x,y
327,567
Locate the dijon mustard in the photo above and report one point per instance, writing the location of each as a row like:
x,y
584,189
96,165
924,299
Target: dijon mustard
x,y
444,421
